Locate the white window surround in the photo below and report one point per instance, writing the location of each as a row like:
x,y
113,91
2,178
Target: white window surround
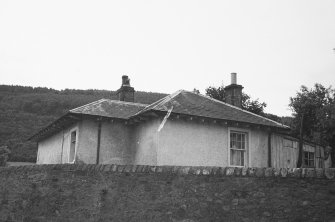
x,y
247,150
309,159
75,129
319,157
38,154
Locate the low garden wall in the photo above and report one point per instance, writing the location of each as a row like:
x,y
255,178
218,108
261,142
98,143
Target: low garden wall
x,y
164,193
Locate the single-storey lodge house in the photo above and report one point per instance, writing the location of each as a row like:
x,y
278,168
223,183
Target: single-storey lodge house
x,y
184,129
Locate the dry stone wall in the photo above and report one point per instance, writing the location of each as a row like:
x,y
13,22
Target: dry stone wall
x,y
165,193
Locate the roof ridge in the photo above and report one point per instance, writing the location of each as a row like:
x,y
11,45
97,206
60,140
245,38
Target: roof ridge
x,y
89,104
123,102
169,97
102,100
218,101
158,102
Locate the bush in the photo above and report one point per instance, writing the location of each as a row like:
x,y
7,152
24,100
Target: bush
x,y
4,153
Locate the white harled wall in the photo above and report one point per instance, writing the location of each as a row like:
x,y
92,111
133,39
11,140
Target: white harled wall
x,y
179,142
55,149
196,143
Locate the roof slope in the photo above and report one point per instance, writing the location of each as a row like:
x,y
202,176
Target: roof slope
x,y
110,108
103,107
181,102
189,103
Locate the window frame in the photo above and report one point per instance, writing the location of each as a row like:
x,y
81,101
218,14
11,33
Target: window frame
x,y
309,159
75,130
247,146
319,159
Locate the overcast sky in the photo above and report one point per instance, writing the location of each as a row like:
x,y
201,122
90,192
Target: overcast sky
x,y
163,46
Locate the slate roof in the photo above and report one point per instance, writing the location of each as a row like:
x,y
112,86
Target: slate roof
x,y
189,103
110,108
103,108
181,102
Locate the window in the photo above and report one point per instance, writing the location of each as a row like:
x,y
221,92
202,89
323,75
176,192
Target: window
x,y
319,157
72,146
309,159
238,146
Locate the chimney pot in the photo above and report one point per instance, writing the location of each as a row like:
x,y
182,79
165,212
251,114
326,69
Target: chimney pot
x,y
233,78
125,80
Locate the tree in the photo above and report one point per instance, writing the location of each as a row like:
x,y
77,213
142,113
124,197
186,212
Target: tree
x,y
314,115
253,106
248,104
216,93
4,152
196,91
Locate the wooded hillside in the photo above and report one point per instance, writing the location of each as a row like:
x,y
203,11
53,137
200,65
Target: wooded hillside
x,y
25,110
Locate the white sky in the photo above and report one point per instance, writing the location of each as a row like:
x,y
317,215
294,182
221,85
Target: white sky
x,y
163,46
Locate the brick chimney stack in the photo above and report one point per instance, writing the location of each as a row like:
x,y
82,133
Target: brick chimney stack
x,y
126,92
233,92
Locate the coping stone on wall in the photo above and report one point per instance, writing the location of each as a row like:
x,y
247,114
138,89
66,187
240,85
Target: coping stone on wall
x,y
134,168
159,169
308,173
195,170
276,172
175,169
146,169
251,171
230,171
97,167
259,172
152,169
57,166
297,172
244,171
294,172
215,171
184,170
85,167
319,173
283,172
328,173
69,167
91,167
167,169
238,171
268,172
139,168
102,167
128,168
221,171
79,167
120,168
107,168
207,171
